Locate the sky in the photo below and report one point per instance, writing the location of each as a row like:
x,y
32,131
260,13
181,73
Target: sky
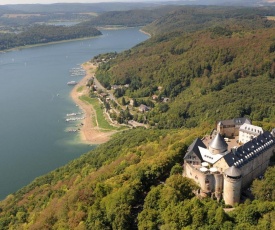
x,y
4,2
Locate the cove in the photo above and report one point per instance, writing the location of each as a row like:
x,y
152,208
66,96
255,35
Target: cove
x,y
34,101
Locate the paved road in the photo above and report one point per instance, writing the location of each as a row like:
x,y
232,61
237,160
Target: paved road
x,y
99,86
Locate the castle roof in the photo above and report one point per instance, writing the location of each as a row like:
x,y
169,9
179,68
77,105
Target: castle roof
x,y
218,143
251,129
235,121
194,148
250,150
233,172
207,156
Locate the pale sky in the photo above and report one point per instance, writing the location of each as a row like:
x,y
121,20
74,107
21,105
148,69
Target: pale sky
x,y
4,2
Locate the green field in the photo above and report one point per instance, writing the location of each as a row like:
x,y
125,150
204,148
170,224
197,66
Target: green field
x,y
102,122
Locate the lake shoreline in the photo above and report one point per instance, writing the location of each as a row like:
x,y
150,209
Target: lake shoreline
x,y
89,132
48,43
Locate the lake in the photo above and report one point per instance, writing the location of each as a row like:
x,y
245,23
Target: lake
x,y
34,101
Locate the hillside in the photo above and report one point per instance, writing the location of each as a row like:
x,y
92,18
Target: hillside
x,y
194,18
207,72
116,176
132,182
130,18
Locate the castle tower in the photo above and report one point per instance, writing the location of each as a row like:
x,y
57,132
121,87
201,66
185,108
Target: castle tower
x,y
232,185
218,145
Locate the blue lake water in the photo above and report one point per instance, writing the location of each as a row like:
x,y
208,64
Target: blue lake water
x,y
34,101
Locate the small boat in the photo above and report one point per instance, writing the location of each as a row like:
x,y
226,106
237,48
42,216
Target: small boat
x,y
71,114
71,83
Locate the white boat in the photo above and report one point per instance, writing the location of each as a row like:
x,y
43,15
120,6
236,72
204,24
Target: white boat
x,y
71,114
72,83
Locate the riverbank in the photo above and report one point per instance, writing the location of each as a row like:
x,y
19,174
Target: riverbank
x,y
90,132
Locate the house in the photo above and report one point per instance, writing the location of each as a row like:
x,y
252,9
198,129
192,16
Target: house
x,y
247,132
155,97
165,100
114,87
143,108
223,169
231,127
103,95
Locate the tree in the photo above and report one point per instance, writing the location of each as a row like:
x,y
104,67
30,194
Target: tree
x,y
123,102
220,216
177,169
265,189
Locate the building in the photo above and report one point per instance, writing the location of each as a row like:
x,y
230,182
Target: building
x,y
231,127
143,108
222,167
247,132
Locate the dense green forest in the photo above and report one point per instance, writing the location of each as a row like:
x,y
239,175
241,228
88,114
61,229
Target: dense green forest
x,y
190,19
218,67
132,182
131,18
207,71
45,33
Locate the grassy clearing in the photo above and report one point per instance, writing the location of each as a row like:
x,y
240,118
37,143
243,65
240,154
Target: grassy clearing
x,y
102,122
80,89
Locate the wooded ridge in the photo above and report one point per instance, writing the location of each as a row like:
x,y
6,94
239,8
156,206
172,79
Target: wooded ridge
x,y
207,72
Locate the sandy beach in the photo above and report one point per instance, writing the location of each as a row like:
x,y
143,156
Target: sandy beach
x,y
89,133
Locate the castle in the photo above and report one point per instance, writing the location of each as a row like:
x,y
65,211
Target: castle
x,y
227,161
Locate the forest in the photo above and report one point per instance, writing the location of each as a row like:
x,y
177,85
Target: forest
x,y
201,70
132,182
44,34
130,18
216,68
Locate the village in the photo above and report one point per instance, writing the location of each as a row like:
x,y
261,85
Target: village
x,y
130,111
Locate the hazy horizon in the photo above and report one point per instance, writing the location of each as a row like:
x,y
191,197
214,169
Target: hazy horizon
x,y
203,2
7,2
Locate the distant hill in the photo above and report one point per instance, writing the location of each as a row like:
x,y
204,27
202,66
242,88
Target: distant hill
x,y
40,34
203,65
130,18
78,7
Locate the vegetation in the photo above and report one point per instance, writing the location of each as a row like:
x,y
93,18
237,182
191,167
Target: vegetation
x,y
130,18
100,118
190,19
131,182
43,34
206,71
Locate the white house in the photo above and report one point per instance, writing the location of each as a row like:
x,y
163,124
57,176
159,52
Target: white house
x,y
247,132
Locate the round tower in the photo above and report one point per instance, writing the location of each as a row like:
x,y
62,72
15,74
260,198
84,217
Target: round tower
x,y
218,145
232,185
